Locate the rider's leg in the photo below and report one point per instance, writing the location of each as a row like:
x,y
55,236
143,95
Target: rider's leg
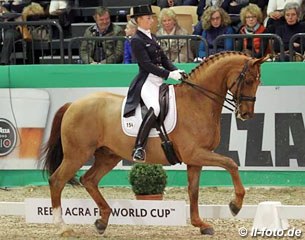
x,y
147,123
150,97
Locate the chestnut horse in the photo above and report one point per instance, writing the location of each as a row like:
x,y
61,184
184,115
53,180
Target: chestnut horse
x,y
92,126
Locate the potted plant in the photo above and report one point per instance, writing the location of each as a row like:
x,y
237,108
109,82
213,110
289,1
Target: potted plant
x,y
148,181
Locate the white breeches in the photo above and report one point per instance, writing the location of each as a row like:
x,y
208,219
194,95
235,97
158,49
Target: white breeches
x,y
150,92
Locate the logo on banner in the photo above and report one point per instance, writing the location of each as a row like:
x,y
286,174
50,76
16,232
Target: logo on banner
x,y
8,137
130,212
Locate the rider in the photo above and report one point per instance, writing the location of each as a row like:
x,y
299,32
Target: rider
x,y
154,66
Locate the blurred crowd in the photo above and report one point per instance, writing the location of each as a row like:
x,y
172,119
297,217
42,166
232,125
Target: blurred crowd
x,y
214,18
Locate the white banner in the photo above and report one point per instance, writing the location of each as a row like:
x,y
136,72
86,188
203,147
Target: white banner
x,y
273,140
127,212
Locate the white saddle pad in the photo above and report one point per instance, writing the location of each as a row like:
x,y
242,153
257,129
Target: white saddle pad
x,y
132,124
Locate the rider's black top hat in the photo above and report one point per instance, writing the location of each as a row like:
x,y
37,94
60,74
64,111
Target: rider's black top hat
x,y
141,10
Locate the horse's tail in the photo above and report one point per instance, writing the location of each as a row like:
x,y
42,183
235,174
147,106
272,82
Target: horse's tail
x,y
53,152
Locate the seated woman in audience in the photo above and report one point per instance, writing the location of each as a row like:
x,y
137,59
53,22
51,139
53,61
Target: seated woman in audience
x,y
275,13
177,50
130,30
291,26
251,18
232,7
205,4
215,22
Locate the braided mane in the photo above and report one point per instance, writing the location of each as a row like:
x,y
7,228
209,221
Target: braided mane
x,y
215,57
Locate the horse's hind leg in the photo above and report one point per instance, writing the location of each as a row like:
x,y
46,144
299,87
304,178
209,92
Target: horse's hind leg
x,y
65,172
104,162
193,173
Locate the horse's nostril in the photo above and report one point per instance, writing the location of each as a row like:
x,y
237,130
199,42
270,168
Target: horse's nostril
x,y
247,115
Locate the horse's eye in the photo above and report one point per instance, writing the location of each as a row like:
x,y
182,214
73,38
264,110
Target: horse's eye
x,y
248,81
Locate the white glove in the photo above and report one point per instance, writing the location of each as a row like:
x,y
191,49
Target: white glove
x,y
181,71
176,75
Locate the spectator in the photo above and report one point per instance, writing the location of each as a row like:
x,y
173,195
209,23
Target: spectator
x,y
32,12
235,6
232,7
290,27
57,7
202,6
61,11
11,34
130,30
275,13
302,11
171,3
262,4
215,22
177,50
109,51
252,23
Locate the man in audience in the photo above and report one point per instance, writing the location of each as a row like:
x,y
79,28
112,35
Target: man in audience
x,y
110,51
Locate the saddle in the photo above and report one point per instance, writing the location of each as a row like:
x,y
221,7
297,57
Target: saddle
x,y
166,144
165,123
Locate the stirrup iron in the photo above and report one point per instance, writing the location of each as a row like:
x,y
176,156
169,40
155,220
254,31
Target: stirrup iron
x,y
139,155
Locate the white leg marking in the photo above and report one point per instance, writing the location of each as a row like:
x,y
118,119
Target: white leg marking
x,y
57,216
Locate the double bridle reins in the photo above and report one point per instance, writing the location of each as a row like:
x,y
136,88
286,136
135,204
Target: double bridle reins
x,y
235,100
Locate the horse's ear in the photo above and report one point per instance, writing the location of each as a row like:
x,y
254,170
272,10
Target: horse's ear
x,y
261,60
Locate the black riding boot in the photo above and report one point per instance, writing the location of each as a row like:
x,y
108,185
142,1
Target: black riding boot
x,y
147,123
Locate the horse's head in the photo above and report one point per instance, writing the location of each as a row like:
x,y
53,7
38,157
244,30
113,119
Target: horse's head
x,y
245,86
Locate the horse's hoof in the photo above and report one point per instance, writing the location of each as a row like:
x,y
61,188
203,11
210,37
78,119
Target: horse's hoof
x,y
233,208
100,226
207,231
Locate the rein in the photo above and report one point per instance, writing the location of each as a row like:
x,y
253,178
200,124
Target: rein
x,y
234,101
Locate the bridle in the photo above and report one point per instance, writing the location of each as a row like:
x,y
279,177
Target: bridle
x,y
236,99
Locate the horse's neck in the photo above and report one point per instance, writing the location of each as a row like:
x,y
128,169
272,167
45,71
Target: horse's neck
x,y
213,77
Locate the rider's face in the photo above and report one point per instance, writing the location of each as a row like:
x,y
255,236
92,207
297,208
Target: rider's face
x,y
145,22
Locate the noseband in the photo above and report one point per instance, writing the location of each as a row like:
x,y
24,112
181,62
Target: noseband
x,y
236,99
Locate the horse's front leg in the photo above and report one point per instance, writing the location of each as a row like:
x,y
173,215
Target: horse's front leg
x,y
204,157
193,173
